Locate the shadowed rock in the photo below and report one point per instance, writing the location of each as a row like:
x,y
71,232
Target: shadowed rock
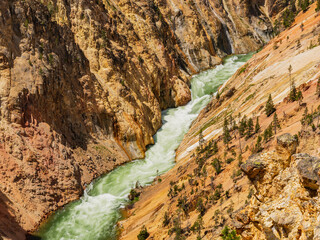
x,y
287,144
253,166
308,168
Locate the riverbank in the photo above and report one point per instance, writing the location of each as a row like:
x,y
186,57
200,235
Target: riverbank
x,y
95,215
206,190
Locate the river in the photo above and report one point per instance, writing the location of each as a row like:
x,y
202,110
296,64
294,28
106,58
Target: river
x,y
95,215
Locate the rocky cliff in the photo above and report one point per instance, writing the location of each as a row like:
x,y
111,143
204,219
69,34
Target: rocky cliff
x,y
83,84
250,177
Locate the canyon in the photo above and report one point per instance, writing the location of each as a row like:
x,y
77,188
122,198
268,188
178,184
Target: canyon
x,y
263,187
83,84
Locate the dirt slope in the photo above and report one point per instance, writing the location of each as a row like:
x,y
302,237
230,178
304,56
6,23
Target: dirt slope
x,y
191,195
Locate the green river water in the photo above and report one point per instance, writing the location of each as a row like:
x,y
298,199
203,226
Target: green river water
x,y
95,215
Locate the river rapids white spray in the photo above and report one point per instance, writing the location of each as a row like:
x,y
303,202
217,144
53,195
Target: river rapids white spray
x,y
95,215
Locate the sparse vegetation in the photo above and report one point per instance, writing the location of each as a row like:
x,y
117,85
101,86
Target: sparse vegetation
x,y
267,134
304,4
177,229
143,234
227,234
258,147
166,219
217,165
288,18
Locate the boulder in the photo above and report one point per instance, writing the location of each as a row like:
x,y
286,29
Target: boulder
x,y
308,169
287,144
253,166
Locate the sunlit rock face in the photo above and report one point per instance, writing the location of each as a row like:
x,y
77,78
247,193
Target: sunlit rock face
x,y
83,83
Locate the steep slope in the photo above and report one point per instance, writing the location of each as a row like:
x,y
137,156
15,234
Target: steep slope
x,y
206,190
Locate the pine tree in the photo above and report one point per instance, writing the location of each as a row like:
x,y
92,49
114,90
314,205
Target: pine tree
x,y
257,127
267,134
143,234
304,120
269,106
304,4
226,234
215,147
249,128
293,93
258,147
218,95
226,132
299,97
275,123
293,90
318,6
217,165
243,126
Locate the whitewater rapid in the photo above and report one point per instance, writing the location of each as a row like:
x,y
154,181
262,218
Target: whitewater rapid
x,y
95,215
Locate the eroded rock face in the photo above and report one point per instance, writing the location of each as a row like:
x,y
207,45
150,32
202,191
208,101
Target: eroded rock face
x,y
83,83
308,168
253,166
284,206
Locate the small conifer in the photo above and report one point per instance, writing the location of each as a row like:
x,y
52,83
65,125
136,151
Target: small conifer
x,y
269,109
275,123
257,127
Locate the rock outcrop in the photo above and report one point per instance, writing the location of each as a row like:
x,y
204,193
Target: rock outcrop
x,y
285,207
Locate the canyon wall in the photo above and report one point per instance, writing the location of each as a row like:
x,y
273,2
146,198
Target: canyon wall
x,y
263,181
83,83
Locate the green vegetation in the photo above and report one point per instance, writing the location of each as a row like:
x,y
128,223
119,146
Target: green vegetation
x,y
267,134
269,108
218,95
50,58
134,195
26,23
304,4
197,226
227,234
257,127
217,165
143,234
183,204
229,160
288,18
177,229
243,69
200,207
307,118
275,123
318,6
243,126
166,219
250,131
258,147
